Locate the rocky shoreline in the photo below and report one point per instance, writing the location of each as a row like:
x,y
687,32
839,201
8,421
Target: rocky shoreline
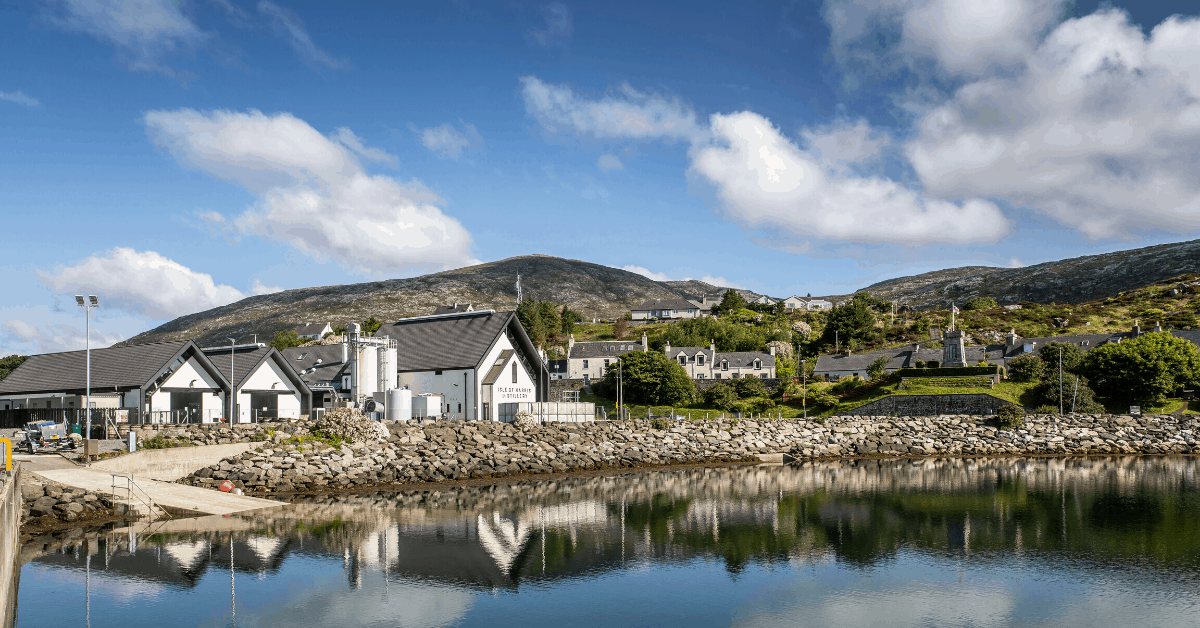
x,y
441,452
47,505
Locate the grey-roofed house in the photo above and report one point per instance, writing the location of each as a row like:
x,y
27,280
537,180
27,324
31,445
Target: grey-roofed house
x,y
164,379
666,309
314,331
455,308
557,368
267,385
697,361
480,361
738,364
588,360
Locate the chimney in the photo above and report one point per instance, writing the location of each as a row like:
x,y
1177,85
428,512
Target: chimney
x,y
645,343
712,346
667,349
772,348
1137,329
570,344
1157,326
345,350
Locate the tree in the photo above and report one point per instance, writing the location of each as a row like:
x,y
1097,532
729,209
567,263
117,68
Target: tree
x,y
785,368
651,378
854,320
370,326
1027,368
569,318
1072,356
878,366
980,303
10,363
340,330
721,397
1144,369
748,387
287,339
1083,398
731,302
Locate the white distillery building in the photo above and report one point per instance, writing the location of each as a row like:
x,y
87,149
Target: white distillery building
x,y
163,379
267,386
481,362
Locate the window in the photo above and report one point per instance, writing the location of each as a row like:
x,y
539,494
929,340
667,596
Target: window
x,y
718,376
724,365
301,356
585,364
437,372
699,359
763,375
700,376
606,363
514,372
682,359
757,365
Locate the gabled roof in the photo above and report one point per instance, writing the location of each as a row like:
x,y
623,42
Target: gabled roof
x,y
113,368
426,343
666,304
247,360
690,352
603,349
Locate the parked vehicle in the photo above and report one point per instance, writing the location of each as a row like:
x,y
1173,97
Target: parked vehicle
x,y
45,436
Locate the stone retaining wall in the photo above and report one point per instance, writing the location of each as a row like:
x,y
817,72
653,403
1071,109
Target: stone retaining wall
x,y
441,451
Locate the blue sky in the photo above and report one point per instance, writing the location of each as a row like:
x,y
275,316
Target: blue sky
x,y
176,156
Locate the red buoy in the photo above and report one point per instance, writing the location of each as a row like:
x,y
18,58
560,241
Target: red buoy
x,y
226,486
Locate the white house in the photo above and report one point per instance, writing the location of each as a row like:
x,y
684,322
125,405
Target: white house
x,y
314,331
666,309
707,363
588,360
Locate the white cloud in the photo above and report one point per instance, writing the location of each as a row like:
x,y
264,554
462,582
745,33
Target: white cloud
x,y
20,98
289,26
261,288
1101,131
610,162
1016,263
447,141
720,282
315,194
355,143
763,180
141,282
646,272
625,114
558,25
18,336
144,31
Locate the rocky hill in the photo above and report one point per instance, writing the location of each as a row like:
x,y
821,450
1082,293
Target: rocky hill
x,y
592,289
1075,280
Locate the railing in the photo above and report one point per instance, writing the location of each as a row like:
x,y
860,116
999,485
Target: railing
x,y
131,493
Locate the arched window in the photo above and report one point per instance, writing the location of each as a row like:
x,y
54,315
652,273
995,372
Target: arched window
x,y
514,372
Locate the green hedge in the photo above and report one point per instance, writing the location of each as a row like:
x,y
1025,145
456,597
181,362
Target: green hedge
x,y
991,369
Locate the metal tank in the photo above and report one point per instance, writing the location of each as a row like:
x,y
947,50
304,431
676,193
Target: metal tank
x,y
399,405
387,368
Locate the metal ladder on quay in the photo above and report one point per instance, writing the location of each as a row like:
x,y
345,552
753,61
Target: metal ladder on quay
x,y
135,496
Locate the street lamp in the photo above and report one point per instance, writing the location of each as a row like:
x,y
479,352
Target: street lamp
x,y
232,383
91,302
804,383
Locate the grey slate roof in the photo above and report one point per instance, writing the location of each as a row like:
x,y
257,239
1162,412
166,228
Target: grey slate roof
x,y
245,361
330,369
604,349
745,359
456,342
691,353
112,367
498,368
666,304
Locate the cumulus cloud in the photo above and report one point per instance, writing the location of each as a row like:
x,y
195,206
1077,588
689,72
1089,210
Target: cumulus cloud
x,y
143,31
42,336
558,25
260,288
355,143
447,141
646,272
289,26
709,279
315,194
1100,131
610,162
143,283
763,179
624,114
20,98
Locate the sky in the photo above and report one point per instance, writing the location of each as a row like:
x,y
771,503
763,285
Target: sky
x,y
171,156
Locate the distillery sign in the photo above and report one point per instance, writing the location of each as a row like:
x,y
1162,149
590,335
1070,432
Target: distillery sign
x,y
514,392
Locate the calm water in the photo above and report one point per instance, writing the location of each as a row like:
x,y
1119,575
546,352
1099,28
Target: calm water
x,y
1028,542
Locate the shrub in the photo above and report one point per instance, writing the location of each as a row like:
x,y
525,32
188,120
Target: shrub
x,y
1082,399
1027,368
659,424
1010,417
920,364
933,364
846,385
878,366
748,387
721,397
980,303
1043,409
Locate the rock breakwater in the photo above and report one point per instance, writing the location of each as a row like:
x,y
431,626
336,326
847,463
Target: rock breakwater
x,y
452,451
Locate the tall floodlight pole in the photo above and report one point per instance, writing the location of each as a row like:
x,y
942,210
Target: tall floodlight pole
x,y
92,302
232,384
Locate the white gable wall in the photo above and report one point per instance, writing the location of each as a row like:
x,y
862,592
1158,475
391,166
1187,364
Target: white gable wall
x,y
189,375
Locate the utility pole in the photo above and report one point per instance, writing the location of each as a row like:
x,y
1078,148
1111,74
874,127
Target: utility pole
x,y
232,384
1060,399
804,380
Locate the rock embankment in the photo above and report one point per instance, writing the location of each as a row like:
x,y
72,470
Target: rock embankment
x,y
48,503
450,451
191,435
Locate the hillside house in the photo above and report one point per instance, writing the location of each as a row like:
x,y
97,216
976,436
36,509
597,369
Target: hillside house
x,y
314,331
666,309
707,363
588,360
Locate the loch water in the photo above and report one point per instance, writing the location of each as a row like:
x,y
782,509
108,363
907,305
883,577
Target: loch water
x,y
1108,541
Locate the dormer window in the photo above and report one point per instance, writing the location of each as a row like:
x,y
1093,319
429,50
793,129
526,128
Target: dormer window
x,y
682,359
699,359
724,365
758,365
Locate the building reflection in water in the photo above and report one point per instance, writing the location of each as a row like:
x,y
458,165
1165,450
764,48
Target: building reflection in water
x,y
502,537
